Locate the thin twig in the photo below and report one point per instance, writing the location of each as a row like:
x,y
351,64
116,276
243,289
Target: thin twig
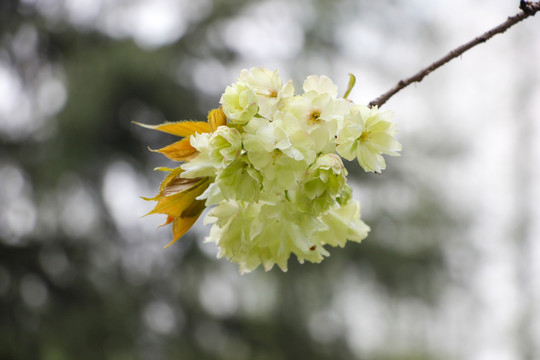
x,y
529,9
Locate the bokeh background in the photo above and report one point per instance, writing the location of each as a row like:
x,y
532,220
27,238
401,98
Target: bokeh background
x,y
451,269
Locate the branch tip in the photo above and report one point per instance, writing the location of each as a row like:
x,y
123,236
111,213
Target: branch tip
x,y
529,8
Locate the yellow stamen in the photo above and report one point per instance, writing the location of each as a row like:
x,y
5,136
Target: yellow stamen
x,y
366,136
314,117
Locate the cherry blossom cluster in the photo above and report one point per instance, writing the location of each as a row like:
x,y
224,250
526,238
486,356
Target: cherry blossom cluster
x,y
268,164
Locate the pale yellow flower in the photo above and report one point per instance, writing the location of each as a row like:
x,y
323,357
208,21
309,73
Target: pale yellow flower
x,y
265,163
366,135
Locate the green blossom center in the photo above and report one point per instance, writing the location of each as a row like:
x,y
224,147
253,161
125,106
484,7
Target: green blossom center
x,y
314,116
365,136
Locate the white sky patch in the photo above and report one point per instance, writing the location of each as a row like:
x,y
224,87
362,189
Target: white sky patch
x,y
160,317
218,295
157,22
363,309
25,110
51,96
534,227
324,326
78,209
152,23
17,210
83,12
121,185
275,22
12,98
210,76
258,294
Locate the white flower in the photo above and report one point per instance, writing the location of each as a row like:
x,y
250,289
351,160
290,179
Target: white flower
x,y
239,103
320,85
317,116
268,87
225,145
324,183
240,181
251,234
202,165
366,135
281,150
343,224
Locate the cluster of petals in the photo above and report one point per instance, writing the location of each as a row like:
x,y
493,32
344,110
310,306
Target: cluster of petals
x,y
268,165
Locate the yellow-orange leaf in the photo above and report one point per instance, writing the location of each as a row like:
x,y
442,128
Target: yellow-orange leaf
x,y
180,128
182,224
193,209
178,185
179,151
178,201
169,220
216,118
174,174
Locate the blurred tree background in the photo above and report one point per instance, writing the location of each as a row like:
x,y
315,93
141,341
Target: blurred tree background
x,y
445,272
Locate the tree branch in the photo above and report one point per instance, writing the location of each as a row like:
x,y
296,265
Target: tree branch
x,y
528,9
